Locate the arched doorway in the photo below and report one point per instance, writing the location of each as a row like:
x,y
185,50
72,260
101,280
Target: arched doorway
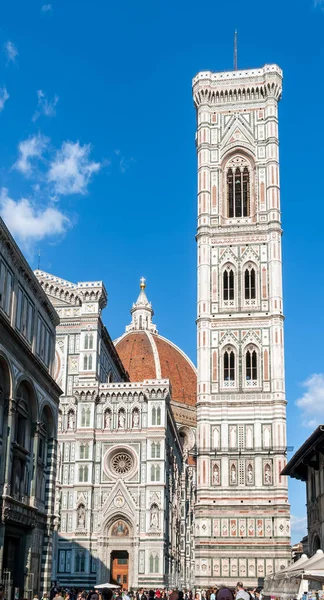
x,y
117,552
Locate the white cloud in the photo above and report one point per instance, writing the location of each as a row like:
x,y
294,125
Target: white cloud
x,y
312,401
298,526
11,52
29,149
3,97
46,8
29,223
71,170
44,106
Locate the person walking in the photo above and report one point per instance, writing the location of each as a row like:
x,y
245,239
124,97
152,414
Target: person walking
x,y
241,592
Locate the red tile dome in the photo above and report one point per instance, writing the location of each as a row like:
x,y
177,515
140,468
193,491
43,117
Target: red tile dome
x,y
147,355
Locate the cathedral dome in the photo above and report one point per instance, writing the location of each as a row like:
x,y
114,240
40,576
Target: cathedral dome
x,y
147,355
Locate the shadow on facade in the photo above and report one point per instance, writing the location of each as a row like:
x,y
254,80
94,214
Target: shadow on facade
x,y
76,565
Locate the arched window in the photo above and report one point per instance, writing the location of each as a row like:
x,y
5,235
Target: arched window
x,y
251,371
157,473
90,362
153,415
90,341
249,284
157,449
83,417
230,192
85,362
87,417
229,366
81,473
154,563
228,284
82,450
238,192
86,341
158,416
152,473
86,473
153,450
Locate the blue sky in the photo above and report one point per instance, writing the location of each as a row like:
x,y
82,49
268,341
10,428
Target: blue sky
x,y
98,164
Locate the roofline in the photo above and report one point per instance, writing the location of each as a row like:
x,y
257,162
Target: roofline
x,y
298,458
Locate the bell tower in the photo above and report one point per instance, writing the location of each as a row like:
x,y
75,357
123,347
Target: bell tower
x,y
242,527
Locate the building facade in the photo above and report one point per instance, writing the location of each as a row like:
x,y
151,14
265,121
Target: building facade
x,y
29,400
307,465
125,491
242,518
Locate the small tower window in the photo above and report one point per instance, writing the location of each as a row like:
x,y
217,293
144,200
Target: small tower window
x,y
229,366
251,365
249,284
158,449
230,192
228,284
238,192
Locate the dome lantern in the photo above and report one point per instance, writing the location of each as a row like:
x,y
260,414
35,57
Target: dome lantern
x,y
142,312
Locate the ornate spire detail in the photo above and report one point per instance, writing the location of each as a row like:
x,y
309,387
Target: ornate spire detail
x,y
142,312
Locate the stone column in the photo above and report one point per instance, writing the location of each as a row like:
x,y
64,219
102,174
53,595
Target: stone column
x,y
47,558
36,427
12,407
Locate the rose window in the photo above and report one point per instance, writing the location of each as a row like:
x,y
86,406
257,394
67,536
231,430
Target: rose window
x,y
122,463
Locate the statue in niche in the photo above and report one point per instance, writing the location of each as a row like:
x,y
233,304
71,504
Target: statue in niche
x,y
267,474
215,475
233,474
154,517
250,474
121,419
71,420
107,419
57,501
135,418
81,517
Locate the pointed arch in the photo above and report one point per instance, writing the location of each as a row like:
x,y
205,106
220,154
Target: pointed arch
x,y
238,169
228,283
229,366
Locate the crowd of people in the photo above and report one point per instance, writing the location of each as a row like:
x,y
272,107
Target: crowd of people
x,y
215,593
